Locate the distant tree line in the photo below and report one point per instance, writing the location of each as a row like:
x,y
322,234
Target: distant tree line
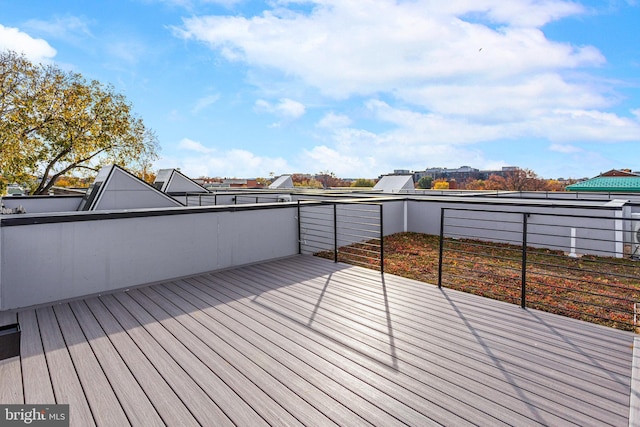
x,y
516,180
327,179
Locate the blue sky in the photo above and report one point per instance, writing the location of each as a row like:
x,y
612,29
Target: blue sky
x,y
237,88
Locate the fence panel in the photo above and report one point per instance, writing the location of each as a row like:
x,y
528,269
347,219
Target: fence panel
x,y
343,231
578,266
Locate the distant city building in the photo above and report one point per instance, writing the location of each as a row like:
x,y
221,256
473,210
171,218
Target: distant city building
x,y
460,174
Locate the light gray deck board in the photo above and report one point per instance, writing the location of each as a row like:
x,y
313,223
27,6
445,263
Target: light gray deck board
x,y
634,403
313,389
346,361
411,295
571,404
420,340
160,325
134,402
10,369
36,391
11,380
168,404
430,382
306,341
232,366
105,407
64,378
201,406
308,359
551,335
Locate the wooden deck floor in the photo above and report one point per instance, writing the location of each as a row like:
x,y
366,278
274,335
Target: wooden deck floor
x,y
304,341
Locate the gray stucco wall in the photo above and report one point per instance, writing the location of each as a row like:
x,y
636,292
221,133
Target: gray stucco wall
x,y
598,230
42,204
42,263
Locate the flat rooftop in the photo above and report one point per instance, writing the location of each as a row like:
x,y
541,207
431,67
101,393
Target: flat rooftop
x,y
305,341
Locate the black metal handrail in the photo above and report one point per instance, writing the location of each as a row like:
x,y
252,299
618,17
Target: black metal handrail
x,y
349,231
577,265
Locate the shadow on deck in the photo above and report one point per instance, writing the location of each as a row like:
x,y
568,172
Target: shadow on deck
x,y
304,341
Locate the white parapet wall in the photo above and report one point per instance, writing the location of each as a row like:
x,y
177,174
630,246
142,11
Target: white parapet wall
x,y
59,257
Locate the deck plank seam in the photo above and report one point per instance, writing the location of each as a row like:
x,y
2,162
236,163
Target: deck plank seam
x,y
237,371
118,297
46,359
394,280
101,362
417,395
250,343
68,355
138,292
474,303
318,355
161,372
276,300
492,326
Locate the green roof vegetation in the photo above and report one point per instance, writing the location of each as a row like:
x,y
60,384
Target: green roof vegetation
x,y
627,184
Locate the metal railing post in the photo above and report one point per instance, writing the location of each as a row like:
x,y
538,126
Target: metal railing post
x,y
381,241
335,232
299,231
441,248
523,295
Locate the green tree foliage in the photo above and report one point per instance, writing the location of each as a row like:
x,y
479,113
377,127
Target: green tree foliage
x,y
53,122
425,182
363,182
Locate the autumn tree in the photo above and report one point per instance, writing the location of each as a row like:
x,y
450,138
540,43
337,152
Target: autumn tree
x,y
53,122
516,180
329,179
476,184
441,184
363,182
555,185
425,182
495,182
265,181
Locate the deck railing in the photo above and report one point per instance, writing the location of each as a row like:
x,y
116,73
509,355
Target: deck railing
x,y
228,198
342,230
584,267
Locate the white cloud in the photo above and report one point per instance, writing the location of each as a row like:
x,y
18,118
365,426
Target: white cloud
x,y
63,27
37,50
285,108
129,50
440,78
347,47
565,148
213,162
190,4
332,120
516,98
205,102
191,145
322,158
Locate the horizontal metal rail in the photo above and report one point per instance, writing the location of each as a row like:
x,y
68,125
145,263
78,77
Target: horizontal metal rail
x,y
576,265
349,231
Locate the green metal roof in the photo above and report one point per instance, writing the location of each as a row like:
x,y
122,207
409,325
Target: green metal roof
x,y
627,184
